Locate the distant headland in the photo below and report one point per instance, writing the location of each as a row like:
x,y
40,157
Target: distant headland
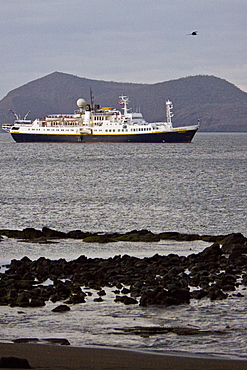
x,y
219,105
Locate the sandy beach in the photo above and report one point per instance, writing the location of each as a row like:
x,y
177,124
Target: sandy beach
x,y
42,356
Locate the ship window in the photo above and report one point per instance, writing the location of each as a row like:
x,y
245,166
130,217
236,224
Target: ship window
x,y
110,130
113,130
118,130
106,130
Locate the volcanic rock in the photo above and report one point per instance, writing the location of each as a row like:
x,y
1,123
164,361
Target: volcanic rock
x,y
14,363
61,308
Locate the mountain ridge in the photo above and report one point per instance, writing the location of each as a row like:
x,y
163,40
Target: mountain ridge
x,y
220,105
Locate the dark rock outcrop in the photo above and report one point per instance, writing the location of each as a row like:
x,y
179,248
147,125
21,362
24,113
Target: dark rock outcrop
x,y
14,363
61,308
47,234
214,273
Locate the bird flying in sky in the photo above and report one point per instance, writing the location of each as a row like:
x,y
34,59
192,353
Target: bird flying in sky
x,y
194,33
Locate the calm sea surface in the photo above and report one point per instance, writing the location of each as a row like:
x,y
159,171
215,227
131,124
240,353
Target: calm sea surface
x,y
191,188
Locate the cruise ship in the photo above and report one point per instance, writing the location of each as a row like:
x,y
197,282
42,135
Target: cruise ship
x,y
95,124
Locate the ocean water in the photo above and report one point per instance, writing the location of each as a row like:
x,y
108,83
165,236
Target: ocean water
x,y
191,188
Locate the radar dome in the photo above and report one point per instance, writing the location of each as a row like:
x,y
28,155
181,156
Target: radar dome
x,y
81,103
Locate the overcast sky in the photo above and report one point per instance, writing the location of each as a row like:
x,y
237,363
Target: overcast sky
x,y
142,41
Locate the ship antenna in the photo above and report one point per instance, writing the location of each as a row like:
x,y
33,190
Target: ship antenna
x,y
91,98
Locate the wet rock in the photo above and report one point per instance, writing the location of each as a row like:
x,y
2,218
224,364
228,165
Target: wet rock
x,y
134,235
77,234
228,288
198,294
137,236
14,363
22,300
126,300
36,302
237,254
157,330
244,280
99,299
125,291
61,308
119,285
62,289
50,233
98,239
216,294
212,251
160,296
28,233
179,236
129,300
233,241
26,340
76,299
101,292
185,331
61,341
238,295
154,280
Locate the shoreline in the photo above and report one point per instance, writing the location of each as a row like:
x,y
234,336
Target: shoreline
x,y
157,280
54,357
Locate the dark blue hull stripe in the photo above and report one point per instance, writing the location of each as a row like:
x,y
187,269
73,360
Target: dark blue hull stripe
x,y
164,137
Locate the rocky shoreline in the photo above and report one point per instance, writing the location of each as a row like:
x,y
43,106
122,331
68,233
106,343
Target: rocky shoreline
x,y
215,273
47,234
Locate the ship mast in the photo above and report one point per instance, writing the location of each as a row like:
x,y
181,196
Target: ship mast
x,y
92,99
124,101
169,113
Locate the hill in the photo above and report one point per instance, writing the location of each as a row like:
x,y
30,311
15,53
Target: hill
x,y
218,104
